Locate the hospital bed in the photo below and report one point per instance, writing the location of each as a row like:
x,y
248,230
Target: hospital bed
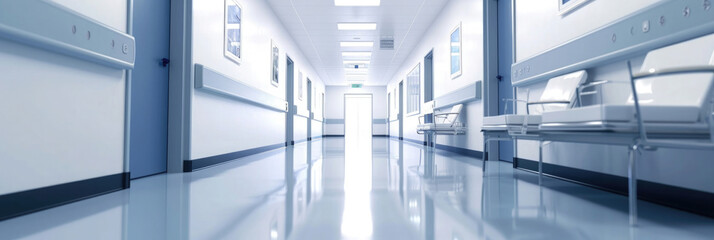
x,y
670,105
559,94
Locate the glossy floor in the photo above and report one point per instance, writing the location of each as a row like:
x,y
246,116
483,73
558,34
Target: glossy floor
x,y
327,189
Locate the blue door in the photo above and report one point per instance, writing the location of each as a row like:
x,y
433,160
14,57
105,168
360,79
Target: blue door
x,y
505,59
150,88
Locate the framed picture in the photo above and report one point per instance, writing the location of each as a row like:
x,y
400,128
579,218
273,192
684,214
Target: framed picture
x,y
232,31
299,85
455,51
275,53
414,90
567,6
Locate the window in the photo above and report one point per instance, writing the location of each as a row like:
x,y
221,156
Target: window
x,y
567,6
455,46
413,90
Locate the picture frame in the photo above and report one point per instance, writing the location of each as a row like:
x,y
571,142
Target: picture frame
x,y
232,36
455,51
414,90
300,90
275,62
567,6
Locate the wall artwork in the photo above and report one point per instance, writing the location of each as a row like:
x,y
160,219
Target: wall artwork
x,y
232,30
413,90
275,53
567,6
299,85
455,46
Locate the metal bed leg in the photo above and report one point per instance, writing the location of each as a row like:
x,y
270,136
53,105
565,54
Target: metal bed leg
x,y
632,181
540,161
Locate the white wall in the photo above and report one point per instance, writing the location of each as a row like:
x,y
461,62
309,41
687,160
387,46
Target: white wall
x,y
222,125
665,166
335,109
62,118
470,15
539,27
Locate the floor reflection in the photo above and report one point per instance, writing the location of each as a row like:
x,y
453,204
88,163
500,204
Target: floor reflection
x,y
335,189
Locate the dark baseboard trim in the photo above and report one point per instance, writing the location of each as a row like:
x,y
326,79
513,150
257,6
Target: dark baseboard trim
x,y
689,200
25,202
414,141
379,135
193,165
462,151
333,136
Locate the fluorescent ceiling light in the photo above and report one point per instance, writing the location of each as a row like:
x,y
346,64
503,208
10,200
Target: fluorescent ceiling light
x,y
356,44
355,62
356,54
356,26
357,3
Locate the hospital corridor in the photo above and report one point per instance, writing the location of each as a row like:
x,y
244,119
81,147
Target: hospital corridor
x,y
356,119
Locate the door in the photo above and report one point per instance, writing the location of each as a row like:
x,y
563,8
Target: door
x,y
289,97
505,59
358,117
309,109
389,114
428,88
401,110
149,89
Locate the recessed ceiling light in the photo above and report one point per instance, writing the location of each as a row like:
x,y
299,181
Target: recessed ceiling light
x,y
357,3
356,54
357,62
356,26
356,44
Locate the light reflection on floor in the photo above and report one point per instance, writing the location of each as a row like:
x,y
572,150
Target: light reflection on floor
x,y
326,189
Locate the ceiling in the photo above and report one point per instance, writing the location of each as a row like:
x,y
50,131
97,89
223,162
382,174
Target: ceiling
x,y
313,25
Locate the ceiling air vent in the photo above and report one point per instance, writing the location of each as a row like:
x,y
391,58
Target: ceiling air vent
x,y
386,43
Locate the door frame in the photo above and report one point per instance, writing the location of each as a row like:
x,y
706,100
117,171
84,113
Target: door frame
x,y
400,115
290,99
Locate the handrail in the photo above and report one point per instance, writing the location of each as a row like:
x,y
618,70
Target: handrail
x,y
213,81
56,28
673,71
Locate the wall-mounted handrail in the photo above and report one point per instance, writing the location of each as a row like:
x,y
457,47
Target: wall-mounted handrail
x,y
617,41
212,81
52,27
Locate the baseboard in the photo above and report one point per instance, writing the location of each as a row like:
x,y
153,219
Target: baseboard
x,y
413,141
462,151
689,200
333,136
25,202
379,135
316,137
193,165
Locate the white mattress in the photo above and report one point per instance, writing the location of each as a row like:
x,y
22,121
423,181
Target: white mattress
x,y
511,119
624,113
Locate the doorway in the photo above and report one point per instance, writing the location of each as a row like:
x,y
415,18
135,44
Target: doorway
x,y
428,89
309,109
358,117
505,59
400,114
289,95
148,138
